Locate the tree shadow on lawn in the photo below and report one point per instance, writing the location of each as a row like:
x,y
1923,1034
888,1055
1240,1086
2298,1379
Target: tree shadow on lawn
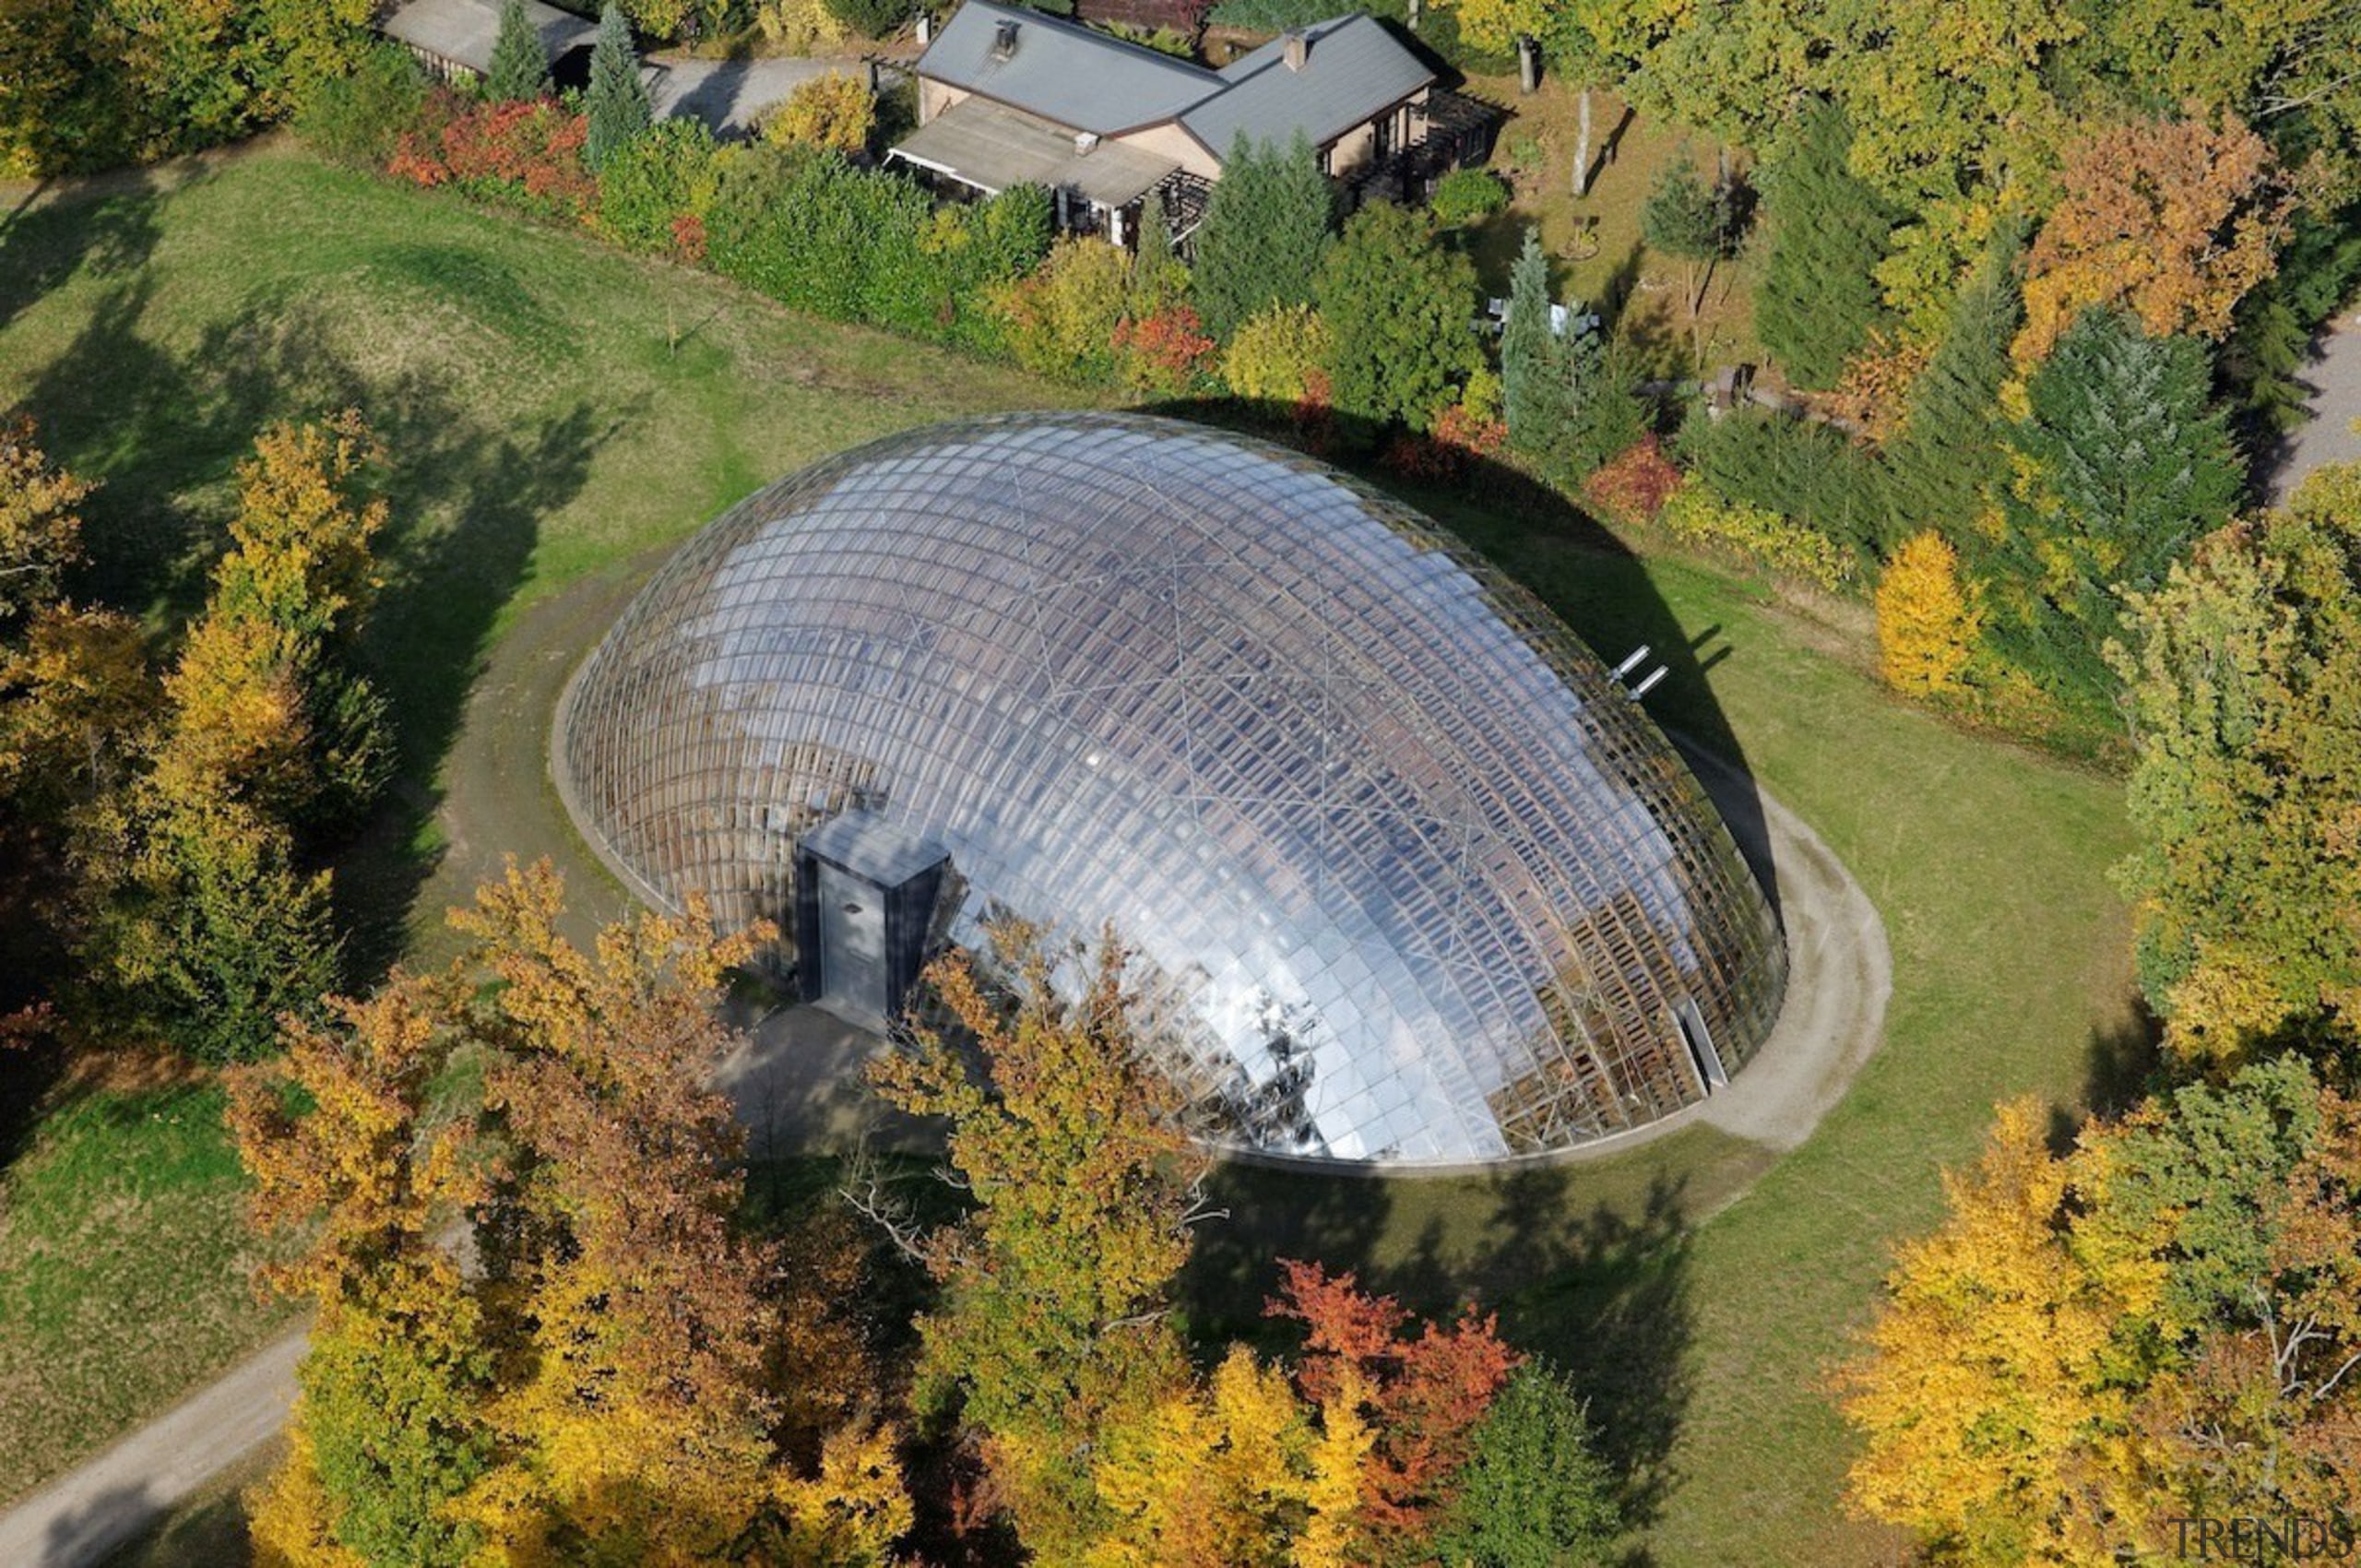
x,y
466,494
1599,1287
109,236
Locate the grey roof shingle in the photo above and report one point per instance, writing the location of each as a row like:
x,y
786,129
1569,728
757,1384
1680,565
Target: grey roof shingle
x,y
464,31
1072,75
1353,69
1063,72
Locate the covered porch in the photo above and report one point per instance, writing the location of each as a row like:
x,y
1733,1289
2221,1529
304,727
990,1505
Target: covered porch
x,y
979,147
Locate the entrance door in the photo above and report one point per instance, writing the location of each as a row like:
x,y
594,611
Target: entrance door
x,y
1708,1061
852,943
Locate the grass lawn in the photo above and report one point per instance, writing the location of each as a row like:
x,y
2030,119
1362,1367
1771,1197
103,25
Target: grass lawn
x,y
549,407
1697,1288
1596,243
555,410
124,1270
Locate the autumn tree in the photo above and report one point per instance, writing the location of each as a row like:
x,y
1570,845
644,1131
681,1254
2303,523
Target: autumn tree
x,y
74,692
1400,307
831,110
96,82
40,525
1067,1138
597,1386
2121,459
2243,671
390,1428
1928,621
264,703
1818,301
1421,1394
1217,1474
206,919
1983,1381
2160,1327
1265,228
2173,220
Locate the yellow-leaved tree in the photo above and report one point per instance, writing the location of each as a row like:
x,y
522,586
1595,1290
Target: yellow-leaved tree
x,y
1928,619
603,1382
1985,1385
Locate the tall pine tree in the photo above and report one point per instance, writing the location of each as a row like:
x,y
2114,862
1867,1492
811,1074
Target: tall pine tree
x,y
2122,460
618,105
1947,464
520,67
1550,377
1535,395
1818,298
1265,231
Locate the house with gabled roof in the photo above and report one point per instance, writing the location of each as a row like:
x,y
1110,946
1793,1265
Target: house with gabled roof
x,y
1008,96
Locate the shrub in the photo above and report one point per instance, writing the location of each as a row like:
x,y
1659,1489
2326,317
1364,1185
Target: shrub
x,y
1804,471
834,111
1279,356
525,155
1927,623
798,26
359,119
872,19
1402,308
1697,514
817,234
1465,196
1165,353
978,249
1634,486
655,181
1460,435
1062,320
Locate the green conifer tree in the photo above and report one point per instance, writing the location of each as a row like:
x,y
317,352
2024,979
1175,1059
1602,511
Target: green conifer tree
x,y
2123,459
1158,279
1530,373
520,67
618,103
1947,465
1266,229
1818,296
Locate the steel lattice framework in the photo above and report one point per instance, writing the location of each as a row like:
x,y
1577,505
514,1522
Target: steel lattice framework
x,y
1437,890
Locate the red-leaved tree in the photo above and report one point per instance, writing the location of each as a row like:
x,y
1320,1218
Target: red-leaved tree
x,y
1427,1390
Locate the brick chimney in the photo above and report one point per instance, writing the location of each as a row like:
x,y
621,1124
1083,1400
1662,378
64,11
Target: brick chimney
x,y
1299,49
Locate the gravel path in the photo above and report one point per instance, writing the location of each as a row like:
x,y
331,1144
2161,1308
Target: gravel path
x,y
791,1081
2327,436
91,1510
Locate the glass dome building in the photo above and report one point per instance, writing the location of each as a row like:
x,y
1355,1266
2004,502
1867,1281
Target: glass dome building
x,y
1429,887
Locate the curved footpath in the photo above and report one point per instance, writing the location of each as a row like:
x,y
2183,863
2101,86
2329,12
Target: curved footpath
x,y
795,1081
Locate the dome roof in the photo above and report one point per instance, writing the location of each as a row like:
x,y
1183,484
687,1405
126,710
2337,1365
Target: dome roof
x,y
1435,889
